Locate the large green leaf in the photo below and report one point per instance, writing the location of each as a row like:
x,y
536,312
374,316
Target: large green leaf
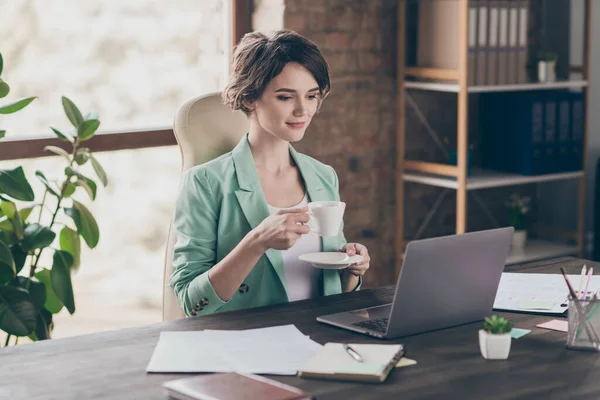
x,y
60,276
83,181
69,189
25,212
59,151
16,106
40,175
64,136
87,129
4,89
85,223
17,312
89,186
72,112
53,303
36,236
10,210
43,327
7,264
71,243
6,224
99,171
14,184
36,289
19,255
82,155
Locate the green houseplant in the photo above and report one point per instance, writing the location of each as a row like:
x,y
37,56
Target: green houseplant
x,y
518,211
34,288
494,338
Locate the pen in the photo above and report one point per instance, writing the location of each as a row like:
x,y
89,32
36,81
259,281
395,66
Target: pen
x,y
352,353
587,283
583,271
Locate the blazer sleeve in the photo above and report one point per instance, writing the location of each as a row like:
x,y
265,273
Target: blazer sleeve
x,y
194,253
342,238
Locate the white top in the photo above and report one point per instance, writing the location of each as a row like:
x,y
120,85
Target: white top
x,y
303,280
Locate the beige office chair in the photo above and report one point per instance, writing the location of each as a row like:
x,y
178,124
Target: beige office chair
x,y
204,128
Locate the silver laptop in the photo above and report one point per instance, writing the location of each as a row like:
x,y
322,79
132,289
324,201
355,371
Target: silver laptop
x,y
444,281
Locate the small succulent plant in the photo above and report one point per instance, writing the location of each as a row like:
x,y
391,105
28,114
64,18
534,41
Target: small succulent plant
x,y
496,325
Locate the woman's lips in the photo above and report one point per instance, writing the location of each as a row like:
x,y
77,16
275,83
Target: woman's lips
x,y
296,125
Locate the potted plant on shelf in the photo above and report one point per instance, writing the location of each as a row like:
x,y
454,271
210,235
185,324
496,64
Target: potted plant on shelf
x,y
494,338
547,66
518,208
40,238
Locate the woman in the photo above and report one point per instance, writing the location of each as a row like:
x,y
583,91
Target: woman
x,y
240,218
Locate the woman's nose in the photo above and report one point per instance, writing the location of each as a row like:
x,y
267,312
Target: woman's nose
x,y
300,108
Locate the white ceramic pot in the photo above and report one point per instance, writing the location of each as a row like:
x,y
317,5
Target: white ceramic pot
x,y
494,346
519,239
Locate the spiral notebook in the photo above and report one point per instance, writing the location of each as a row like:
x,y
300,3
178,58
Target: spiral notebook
x,y
334,362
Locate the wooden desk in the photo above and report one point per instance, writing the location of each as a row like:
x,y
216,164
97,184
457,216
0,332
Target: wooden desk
x,y
111,365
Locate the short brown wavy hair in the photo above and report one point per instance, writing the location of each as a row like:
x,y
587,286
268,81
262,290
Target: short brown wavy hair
x,y
260,57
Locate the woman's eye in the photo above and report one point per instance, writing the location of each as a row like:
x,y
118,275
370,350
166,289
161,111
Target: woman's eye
x,y
313,97
283,98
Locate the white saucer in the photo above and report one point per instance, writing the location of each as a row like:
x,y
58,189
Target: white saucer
x,y
330,260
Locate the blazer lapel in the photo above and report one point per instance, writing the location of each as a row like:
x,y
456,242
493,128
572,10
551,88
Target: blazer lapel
x,y
252,200
316,192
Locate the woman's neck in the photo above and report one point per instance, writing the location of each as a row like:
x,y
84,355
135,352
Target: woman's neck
x,y
269,152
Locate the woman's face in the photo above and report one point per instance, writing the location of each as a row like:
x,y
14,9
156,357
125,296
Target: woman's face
x,y
288,103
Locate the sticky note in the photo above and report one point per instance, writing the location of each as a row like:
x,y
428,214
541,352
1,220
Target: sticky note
x,y
405,362
555,325
535,305
516,333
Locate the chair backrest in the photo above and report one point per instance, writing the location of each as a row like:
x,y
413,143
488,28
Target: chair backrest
x,y
204,128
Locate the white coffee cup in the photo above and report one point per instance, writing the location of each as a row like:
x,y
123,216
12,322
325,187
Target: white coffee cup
x,y
326,217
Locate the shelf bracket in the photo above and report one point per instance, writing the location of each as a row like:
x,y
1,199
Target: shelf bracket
x,y
432,133
484,208
431,213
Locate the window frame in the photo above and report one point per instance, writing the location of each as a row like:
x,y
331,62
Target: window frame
x,y
33,147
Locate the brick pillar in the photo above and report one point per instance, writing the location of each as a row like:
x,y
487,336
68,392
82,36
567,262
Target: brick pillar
x,y
355,129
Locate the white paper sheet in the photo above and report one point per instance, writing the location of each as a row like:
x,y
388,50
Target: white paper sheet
x,y
276,350
538,293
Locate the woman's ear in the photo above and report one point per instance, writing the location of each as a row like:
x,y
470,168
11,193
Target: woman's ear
x,y
250,105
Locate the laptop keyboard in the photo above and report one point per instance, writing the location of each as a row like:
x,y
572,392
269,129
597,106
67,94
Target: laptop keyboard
x,y
379,324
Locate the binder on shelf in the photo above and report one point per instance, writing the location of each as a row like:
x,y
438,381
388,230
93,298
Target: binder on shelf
x,y
471,51
503,48
522,24
550,163
481,47
577,131
512,16
563,126
493,48
513,133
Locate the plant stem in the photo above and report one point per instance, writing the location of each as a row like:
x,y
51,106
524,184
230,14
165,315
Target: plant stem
x,y
60,198
7,339
16,340
42,206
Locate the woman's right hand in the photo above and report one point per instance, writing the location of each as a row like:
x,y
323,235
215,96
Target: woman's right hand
x,y
280,231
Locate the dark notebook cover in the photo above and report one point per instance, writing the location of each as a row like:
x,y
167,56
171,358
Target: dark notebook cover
x,y
231,385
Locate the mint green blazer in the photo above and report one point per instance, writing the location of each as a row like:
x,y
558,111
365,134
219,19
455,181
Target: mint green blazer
x,y
218,204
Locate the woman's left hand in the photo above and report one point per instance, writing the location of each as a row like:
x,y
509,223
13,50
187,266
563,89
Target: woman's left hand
x,y
359,268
